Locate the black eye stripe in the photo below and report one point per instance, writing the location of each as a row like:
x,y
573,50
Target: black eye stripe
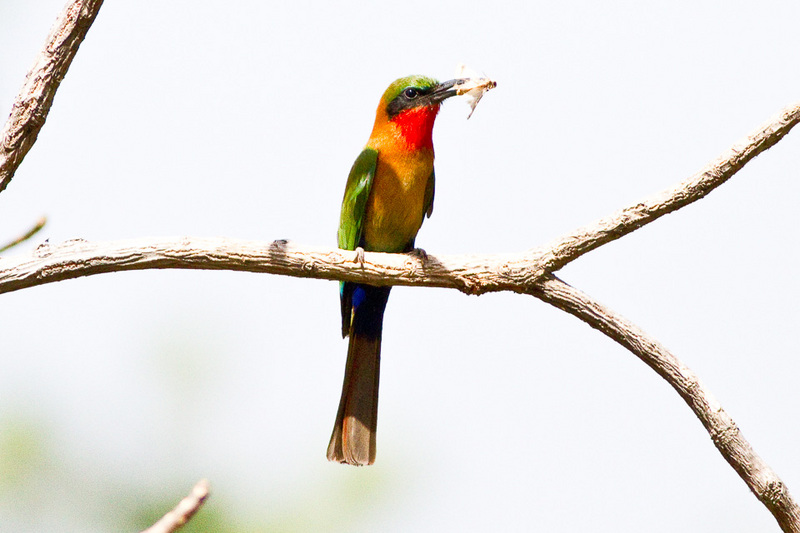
x,y
408,98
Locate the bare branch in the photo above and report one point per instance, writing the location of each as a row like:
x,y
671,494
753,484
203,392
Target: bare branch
x,y
764,483
36,96
186,508
571,246
76,258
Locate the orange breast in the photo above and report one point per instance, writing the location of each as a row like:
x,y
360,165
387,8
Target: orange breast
x,y
396,205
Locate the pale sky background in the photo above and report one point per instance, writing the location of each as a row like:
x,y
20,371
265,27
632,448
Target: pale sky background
x,y
497,413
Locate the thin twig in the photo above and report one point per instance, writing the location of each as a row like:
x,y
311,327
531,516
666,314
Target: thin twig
x,y
36,96
730,442
186,508
38,225
585,239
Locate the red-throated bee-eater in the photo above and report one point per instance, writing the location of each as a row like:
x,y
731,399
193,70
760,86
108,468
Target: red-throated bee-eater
x,y
389,192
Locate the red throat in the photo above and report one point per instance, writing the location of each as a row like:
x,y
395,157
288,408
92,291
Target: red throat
x,y
416,126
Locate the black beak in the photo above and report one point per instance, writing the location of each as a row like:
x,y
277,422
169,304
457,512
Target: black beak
x,y
445,90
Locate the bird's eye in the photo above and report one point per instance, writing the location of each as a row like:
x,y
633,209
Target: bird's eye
x,y
411,93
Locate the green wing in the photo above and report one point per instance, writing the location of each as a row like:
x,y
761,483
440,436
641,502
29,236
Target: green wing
x,y
351,222
430,189
354,203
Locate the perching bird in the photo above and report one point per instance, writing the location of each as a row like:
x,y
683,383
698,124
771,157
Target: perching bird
x,y
389,192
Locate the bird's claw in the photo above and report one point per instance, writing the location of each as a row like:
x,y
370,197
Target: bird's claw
x,y
359,256
419,252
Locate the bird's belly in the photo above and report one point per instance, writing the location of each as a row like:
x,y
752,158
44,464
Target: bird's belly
x,y
397,203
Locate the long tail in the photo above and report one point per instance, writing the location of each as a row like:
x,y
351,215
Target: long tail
x,y
353,438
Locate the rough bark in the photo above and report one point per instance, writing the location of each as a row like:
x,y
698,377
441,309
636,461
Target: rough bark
x,y
762,480
36,96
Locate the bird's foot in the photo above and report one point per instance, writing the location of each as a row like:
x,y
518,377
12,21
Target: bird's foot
x,y
359,256
419,252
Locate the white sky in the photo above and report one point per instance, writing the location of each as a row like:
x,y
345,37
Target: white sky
x,y
496,413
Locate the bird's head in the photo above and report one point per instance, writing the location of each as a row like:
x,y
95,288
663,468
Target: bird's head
x,y
408,109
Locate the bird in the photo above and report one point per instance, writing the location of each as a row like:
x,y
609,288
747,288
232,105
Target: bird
x,y
389,192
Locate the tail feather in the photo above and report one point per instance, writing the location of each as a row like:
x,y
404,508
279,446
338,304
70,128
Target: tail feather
x,y
354,434
353,439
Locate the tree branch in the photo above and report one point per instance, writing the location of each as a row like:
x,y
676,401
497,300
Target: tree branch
x,y
186,508
730,442
76,258
36,96
585,239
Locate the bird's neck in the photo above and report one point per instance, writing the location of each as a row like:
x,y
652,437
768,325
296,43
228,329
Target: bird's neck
x,y
412,129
